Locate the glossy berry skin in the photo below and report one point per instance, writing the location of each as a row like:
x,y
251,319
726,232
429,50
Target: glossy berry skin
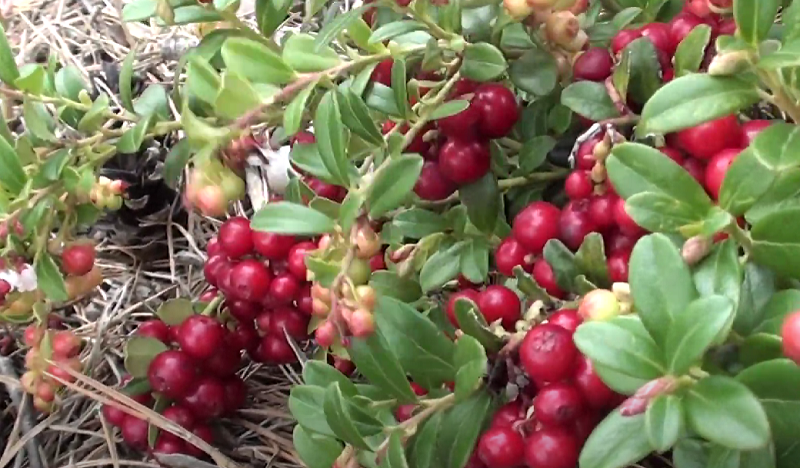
x,y
172,373
508,414
618,267
200,336
568,319
297,259
404,412
114,415
547,353
674,154
681,26
274,350
235,237
498,302
498,108
584,158
207,399
659,35
290,320
601,211
790,334
432,185
206,434
243,338
242,311
78,259
272,246
544,276
716,170
509,255
155,329
593,65
707,139
224,362
536,224
623,38
450,310
578,185
325,190
180,415
166,445
463,123
583,426
501,447
626,224
617,242
235,394
751,129
575,223
383,73
558,404
464,161
595,393
552,447
283,288
214,267
696,168
134,432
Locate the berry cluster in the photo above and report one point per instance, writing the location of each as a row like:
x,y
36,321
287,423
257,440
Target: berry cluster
x,y
107,194
212,186
263,279
43,379
497,304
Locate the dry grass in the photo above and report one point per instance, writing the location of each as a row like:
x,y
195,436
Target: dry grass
x,y
141,271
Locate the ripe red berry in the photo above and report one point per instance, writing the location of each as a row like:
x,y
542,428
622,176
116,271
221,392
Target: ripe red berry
x,y
470,294
790,333
547,353
404,412
224,362
716,170
249,280
464,86
623,38
594,391
536,224
172,373
583,426
325,190
501,447
498,108
242,311
235,394
674,154
681,26
498,302
511,254
751,129
272,246
213,269
593,65
284,288
418,389
707,139
578,185
575,223
552,447
568,319
432,185
78,259
458,125
696,168
243,337
275,350
626,224
617,264
114,415
236,237
200,336
601,211
545,277
659,35
204,433
383,73
464,161
557,404
294,322
134,432
65,344
213,247
166,445
32,335
155,329
584,157
508,414
180,415
297,259
207,399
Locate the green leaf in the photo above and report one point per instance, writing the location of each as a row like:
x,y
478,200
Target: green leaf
x,y
69,84
562,261
691,50
775,311
726,412
290,218
534,72
307,157
175,311
591,259
754,19
760,347
483,62
645,76
693,99
440,268
472,323
192,14
475,260
38,120
316,450
54,165
616,442
132,139
776,242
125,78
12,174
621,345
482,199
305,404
661,284
301,54
356,115
332,139
590,100
389,284
394,29
95,116
176,161
785,57
529,287
448,109
423,445
381,98
139,352
534,153
153,101
783,192
49,277
664,422
236,97
399,86
694,331
270,14
720,272
376,361
396,455
471,361
757,167
393,183
690,453
31,79
202,81
256,62
420,346
340,23
339,418
460,429
8,65
417,223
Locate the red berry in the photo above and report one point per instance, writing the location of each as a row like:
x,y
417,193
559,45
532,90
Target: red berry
x,y
155,329
235,394
536,224
213,247
626,224
583,426
707,139
65,344
681,26
552,447
432,185
180,415
727,27
168,445
284,288
716,170
294,322
263,320
696,169
275,350
272,246
790,333
674,154
601,210
617,264
204,433
207,399
383,73
114,415
200,336
214,268
418,390
208,295
547,353
498,302
464,161
557,404
250,280
458,125
236,237
297,259
593,65
134,432
659,35
594,391
347,367
511,254
32,336
623,38
498,108
568,319
172,373
242,311
508,414
404,412
78,259
243,337
501,447
464,86
303,300
584,157
544,276
667,74
575,223
224,362
325,190
470,294
578,185
751,129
